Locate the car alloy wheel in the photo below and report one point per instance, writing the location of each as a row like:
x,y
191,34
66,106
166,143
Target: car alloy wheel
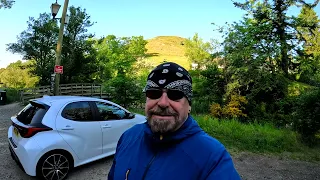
x,y
55,167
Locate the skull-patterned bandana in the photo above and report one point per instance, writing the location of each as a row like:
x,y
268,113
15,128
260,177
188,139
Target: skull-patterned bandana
x,y
170,75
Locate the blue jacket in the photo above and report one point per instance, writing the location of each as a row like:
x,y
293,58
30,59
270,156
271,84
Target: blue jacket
x,y
188,153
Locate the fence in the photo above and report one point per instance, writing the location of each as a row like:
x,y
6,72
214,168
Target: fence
x,y
76,89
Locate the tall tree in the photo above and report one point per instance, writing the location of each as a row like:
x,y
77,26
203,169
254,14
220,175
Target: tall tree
x,y
117,58
120,53
6,4
38,42
78,53
274,13
309,54
197,51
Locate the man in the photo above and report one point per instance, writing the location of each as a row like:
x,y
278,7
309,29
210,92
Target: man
x,y
170,145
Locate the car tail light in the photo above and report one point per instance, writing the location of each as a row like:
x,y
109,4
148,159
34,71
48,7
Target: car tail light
x,y
27,132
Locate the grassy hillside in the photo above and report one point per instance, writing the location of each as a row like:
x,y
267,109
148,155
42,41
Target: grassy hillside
x,y
167,48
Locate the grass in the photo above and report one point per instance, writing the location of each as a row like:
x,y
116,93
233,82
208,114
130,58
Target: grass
x,y
262,139
167,48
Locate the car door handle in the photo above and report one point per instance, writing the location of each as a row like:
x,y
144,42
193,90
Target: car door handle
x,y
68,128
107,126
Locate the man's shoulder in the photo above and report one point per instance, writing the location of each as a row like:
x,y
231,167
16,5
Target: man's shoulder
x,y
133,133
205,143
204,149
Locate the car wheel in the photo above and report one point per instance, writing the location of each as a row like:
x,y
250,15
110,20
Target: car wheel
x,y
54,166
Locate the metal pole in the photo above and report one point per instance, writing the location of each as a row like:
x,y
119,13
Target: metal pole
x,y
59,47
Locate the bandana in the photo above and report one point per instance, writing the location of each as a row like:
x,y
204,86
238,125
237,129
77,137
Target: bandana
x,y
170,75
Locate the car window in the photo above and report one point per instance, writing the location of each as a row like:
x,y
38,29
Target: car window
x,y
78,111
110,112
31,114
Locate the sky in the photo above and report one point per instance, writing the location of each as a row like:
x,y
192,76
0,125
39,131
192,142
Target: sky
x,y
122,18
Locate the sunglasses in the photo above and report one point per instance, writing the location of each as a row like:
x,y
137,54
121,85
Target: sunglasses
x,y
172,94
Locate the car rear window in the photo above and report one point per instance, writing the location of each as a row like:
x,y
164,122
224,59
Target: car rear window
x,y
31,114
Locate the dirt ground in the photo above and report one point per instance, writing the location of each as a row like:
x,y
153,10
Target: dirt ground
x,y
249,166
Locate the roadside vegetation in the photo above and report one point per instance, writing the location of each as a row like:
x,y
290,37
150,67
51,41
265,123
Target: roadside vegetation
x,y
257,90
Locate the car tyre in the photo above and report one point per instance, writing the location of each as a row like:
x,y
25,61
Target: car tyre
x,y
54,166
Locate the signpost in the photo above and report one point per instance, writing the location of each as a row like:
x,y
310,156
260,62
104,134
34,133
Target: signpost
x,y
58,69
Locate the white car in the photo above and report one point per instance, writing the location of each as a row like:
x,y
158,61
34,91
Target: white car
x,y
53,134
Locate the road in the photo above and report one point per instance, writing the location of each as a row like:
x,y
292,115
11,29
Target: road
x,y
250,166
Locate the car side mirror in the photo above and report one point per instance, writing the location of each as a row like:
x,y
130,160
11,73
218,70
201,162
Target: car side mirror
x,y
130,115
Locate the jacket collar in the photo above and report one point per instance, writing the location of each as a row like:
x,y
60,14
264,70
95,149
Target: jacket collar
x,y
189,128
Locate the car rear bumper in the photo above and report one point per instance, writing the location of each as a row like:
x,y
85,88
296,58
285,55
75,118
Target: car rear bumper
x,y
15,157
25,153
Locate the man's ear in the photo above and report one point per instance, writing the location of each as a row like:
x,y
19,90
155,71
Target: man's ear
x,y
189,109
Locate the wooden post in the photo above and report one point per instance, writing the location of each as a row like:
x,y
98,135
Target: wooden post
x,y
91,89
100,91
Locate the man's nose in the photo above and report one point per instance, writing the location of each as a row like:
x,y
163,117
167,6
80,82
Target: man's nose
x,y
164,100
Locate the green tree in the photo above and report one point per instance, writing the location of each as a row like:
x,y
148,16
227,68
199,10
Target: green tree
x,y
17,75
38,42
118,59
118,55
6,4
197,51
78,53
274,13
309,54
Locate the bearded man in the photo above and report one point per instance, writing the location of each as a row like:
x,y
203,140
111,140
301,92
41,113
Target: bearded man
x,y
170,145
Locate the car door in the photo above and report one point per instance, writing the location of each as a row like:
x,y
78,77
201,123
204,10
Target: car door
x,y
113,124
78,127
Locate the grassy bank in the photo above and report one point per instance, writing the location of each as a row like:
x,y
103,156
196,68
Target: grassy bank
x,y
256,138
262,139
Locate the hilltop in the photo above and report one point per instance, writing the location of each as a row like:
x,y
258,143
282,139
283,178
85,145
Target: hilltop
x,y
167,48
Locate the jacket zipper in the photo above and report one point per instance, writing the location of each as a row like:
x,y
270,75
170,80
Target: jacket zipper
x,y
151,161
127,174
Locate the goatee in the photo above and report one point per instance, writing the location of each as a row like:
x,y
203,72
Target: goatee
x,y
163,126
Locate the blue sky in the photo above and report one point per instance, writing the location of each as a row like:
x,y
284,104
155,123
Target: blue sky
x,y
127,18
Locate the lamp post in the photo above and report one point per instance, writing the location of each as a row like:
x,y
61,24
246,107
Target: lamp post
x,y
63,20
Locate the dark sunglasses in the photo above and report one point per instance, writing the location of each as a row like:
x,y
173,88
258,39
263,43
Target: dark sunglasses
x,y
172,94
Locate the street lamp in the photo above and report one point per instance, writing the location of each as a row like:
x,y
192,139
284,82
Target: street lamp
x,y
54,10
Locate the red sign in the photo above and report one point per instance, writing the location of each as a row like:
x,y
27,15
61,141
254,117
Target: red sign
x,y
58,69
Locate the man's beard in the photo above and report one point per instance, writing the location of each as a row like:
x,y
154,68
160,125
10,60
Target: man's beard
x,y
164,125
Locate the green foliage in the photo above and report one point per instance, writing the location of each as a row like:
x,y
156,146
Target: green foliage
x,y
309,57
273,14
234,108
197,51
37,43
118,55
78,54
124,90
17,75
208,87
251,137
6,4
307,116
13,95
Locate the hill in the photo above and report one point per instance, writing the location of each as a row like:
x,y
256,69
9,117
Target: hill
x,y
167,48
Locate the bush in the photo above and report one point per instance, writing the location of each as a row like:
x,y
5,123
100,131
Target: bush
x,y
13,95
307,116
200,105
125,91
233,109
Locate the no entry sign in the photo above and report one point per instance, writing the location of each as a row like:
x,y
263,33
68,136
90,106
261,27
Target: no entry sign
x,y
58,69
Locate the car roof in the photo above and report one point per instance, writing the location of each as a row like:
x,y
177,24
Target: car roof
x,y
48,100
